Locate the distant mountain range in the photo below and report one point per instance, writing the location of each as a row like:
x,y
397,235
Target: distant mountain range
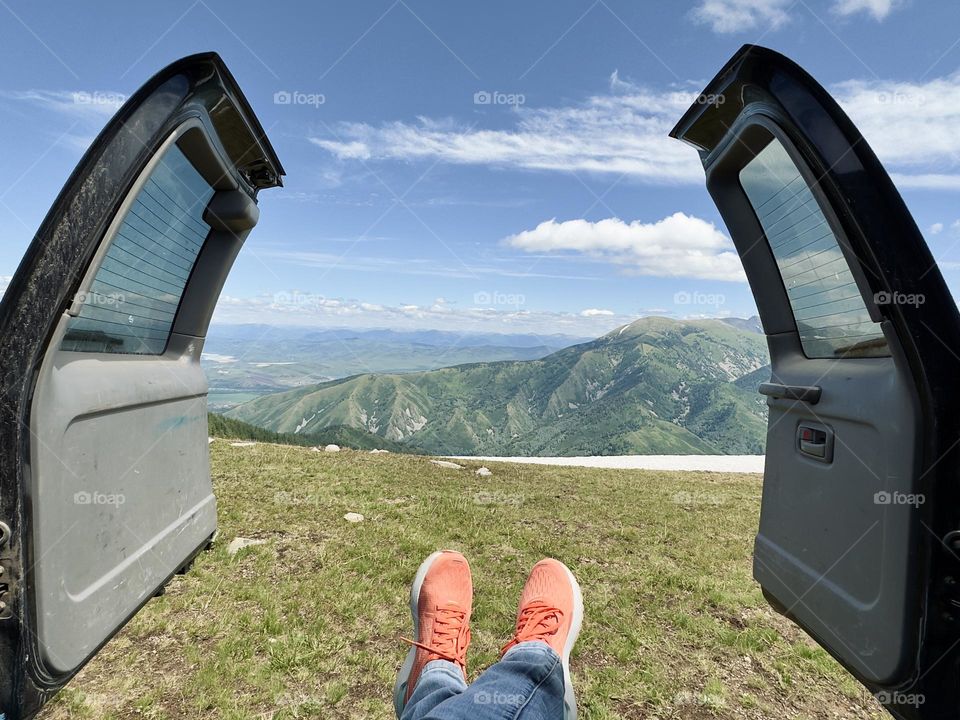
x,y
243,362
654,386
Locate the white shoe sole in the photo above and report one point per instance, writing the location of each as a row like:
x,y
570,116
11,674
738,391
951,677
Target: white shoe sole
x,y
403,677
569,698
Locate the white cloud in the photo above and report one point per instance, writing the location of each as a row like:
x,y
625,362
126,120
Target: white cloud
x,y
926,181
296,308
303,309
679,245
345,150
936,228
878,9
730,16
907,124
624,132
911,127
4,283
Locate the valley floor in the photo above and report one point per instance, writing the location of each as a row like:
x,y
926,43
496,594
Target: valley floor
x,y
708,463
308,623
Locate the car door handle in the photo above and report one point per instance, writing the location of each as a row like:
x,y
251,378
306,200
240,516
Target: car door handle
x,y
804,393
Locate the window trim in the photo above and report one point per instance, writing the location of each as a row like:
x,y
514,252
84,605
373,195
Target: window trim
x,y
751,133
836,241
192,138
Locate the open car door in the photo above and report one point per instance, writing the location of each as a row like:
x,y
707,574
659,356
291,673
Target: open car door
x,y
105,488
860,510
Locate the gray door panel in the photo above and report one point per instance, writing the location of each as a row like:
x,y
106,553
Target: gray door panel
x,y
832,543
121,490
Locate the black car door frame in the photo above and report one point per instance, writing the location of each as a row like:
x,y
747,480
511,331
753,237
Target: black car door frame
x,y
888,258
199,90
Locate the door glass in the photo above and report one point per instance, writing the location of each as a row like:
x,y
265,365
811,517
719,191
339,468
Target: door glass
x,y
829,310
134,297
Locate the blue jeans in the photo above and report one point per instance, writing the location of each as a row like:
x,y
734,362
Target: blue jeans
x,y
527,684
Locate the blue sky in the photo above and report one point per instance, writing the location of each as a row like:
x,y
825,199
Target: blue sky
x,y
490,166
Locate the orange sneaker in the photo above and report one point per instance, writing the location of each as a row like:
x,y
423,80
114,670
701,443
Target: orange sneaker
x,y
551,611
441,600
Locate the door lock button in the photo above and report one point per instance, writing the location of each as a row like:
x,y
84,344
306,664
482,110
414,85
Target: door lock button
x,y
815,441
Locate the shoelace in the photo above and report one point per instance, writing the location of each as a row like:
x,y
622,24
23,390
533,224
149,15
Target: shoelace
x,y
451,636
537,621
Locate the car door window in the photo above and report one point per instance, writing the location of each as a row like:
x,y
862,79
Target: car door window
x,y
831,317
136,291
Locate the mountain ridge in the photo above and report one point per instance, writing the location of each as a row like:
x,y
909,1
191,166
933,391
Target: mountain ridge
x,y
656,385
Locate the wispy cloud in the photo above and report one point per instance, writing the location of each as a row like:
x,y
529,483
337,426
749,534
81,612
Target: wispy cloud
x,y
86,110
88,105
676,246
877,9
912,127
622,132
738,16
732,16
410,265
296,308
926,181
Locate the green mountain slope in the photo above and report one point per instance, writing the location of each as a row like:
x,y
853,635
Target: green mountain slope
x,y
654,386
342,435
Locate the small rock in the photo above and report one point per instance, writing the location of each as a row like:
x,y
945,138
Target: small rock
x,y
316,449
243,444
238,543
484,472
376,451
209,440
353,517
332,448
447,464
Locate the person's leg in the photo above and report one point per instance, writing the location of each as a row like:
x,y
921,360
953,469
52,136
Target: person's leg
x,y
435,669
532,679
439,681
527,684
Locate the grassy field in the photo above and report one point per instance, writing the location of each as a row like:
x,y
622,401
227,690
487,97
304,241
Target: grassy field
x,y
307,625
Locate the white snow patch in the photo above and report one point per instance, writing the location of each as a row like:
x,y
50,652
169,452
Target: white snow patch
x,y
217,358
710,463
303,424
